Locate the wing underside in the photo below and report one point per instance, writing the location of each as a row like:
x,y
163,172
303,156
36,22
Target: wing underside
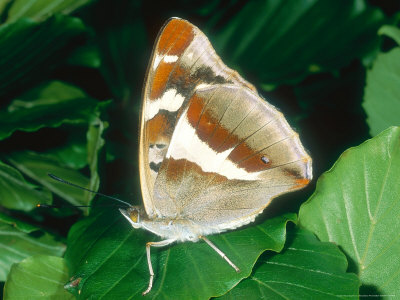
x,y
182,59
211,150
230,154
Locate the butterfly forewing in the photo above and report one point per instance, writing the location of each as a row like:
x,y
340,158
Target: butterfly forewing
x,y
183,59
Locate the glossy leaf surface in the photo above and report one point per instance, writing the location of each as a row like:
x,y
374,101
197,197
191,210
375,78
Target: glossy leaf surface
x,y
16,245
40,277
356,205
382,92
113,264
305,269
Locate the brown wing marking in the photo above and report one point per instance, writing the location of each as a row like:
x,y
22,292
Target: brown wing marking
x,y
281,173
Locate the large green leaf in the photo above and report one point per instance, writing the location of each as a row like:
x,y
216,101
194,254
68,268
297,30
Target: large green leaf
x,y
284,41
382,92
39,166
50,104
39,277
29,50
356,205
305,269
109,258
19,224
17,193
15,245
41,9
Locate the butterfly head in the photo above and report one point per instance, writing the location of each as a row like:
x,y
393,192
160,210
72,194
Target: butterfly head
x,y
134,215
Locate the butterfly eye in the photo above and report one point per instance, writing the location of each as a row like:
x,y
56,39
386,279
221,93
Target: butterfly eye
x,y
134,215
264,159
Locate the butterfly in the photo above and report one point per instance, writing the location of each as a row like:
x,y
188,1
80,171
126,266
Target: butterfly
x,y
212,153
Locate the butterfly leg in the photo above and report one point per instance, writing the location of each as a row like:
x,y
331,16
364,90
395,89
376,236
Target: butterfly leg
x,y
222,254
154,244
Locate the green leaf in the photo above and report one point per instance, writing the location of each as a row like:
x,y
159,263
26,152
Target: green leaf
x,y
390,31
29,50
94,143
16,193
18,224
113,262
3,5
42,9
356,205
40,277
305,269
50,104
274,39
39,166
382,91
16,245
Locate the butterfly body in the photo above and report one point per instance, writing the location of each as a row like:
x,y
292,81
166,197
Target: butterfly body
x,y
213,153
180,230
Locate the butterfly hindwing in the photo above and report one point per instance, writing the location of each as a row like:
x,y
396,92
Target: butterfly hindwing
x,y
230,154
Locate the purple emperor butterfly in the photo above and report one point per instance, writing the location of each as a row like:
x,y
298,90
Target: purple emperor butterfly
x,y
213,154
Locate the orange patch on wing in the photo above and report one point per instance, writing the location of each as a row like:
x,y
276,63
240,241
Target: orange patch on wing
x,y
184,36
194,110
218,138
241,152
230,142
254,164
173,27
160,79
157,128
175,38
206,126
300,183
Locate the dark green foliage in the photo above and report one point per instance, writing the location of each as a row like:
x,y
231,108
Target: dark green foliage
x,y
71,78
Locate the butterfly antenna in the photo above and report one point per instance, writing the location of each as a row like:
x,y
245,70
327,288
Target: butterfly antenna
x,y
52,176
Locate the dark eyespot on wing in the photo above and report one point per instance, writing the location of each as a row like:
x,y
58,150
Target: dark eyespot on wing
x,y
265,160
208,76
155,167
